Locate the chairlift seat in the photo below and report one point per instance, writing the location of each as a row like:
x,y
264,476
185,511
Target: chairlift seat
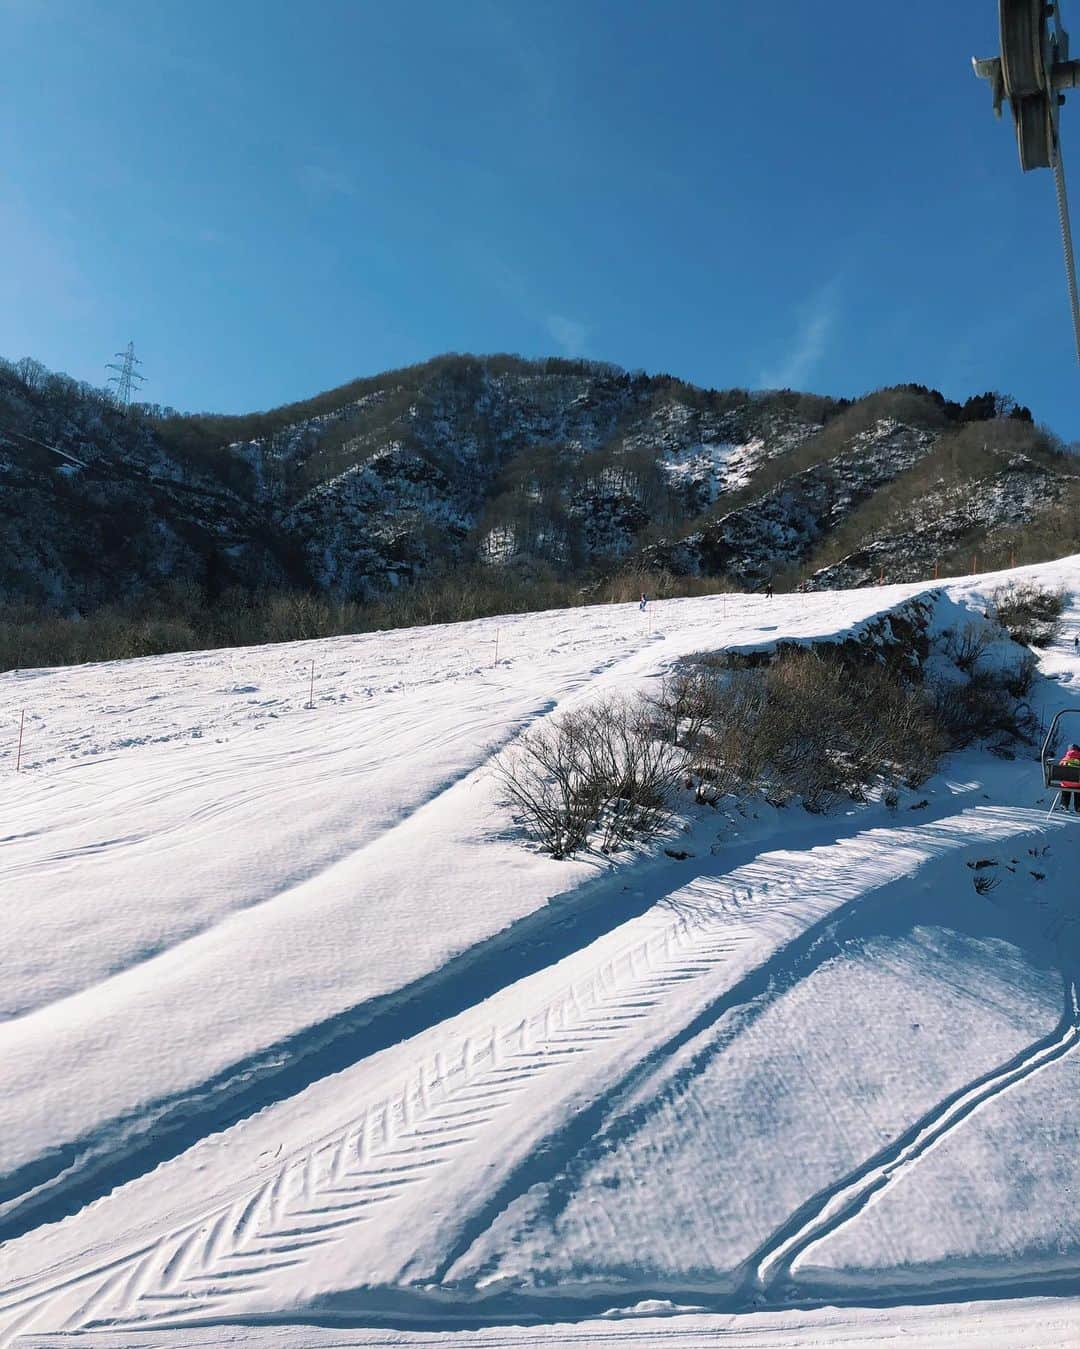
x,y
1055,774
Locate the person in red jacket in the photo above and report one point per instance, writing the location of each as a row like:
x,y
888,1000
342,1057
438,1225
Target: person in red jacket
x,y
1071,786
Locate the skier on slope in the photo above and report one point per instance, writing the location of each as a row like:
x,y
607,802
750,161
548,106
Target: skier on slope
x,y
768,589
641,606
1071,759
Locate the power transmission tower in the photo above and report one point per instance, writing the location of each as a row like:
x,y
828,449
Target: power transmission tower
x,y
126,377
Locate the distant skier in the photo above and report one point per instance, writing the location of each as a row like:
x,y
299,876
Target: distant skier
x,y
768,590
641,606
1071,787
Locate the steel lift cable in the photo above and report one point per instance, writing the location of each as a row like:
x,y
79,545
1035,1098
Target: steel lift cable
x,y
1059,59
1067,245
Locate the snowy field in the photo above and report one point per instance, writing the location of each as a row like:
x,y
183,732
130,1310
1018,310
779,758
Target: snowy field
x,y
299,1045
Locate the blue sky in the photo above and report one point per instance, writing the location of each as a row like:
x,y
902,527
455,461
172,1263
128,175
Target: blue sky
x,y
272,197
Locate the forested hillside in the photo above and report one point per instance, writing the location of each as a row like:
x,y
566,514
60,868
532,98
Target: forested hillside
x,y
469,484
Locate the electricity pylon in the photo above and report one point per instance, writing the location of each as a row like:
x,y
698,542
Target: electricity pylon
x,y
126,377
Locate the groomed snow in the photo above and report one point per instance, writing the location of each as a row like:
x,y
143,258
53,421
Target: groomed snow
x,y
440,1048
1031,1323
346,853
681,1188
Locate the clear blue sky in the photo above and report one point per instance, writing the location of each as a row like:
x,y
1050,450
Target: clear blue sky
x,y
272,197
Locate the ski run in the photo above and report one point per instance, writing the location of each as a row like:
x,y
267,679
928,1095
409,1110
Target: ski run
x,y
301,1045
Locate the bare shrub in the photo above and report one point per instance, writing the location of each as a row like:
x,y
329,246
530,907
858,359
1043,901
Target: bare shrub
x,y
599,768
1030,613
626,586
636,772
728,753
802,735
804,727
1019,679
818,725
687,702
913,742
981,708
828,735
544,779
965,646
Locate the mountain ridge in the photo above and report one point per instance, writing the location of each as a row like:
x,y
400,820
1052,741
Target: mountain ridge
x,y
548,468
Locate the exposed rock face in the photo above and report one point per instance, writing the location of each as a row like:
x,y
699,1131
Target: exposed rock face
x,y
949,518
785,523
576,465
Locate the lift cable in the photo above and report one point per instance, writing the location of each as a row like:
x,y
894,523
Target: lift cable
x,y
1067,245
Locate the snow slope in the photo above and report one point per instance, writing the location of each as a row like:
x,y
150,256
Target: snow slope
x,y
469,1081
682,1179
339,852
1034,1323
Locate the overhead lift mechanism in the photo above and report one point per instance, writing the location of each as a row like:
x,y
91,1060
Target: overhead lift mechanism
x,y
1032,73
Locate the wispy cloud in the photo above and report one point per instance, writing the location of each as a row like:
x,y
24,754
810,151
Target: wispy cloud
x,y
810,343
525,295
569,333
523,47
327,180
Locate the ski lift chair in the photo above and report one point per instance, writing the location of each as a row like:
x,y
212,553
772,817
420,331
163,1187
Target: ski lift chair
x,y
1053,772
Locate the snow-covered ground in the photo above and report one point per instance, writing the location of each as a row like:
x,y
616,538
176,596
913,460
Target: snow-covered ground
x,y
1030,1323
713,468
297,1031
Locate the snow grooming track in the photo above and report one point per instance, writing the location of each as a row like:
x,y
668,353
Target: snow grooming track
x,y
314,1198
242,1256
84,1168
773,1264
1031,1322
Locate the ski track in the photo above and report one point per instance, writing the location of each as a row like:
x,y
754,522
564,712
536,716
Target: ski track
x,y
216,1263
774,1264
81,1160
478,720
50,1189
312,1197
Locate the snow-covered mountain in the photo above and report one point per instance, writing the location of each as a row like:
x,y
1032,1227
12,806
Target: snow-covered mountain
x,y
299,1041
572,466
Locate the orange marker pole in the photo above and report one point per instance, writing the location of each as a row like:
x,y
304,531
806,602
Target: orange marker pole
x,y
311,694
496,648
18,755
